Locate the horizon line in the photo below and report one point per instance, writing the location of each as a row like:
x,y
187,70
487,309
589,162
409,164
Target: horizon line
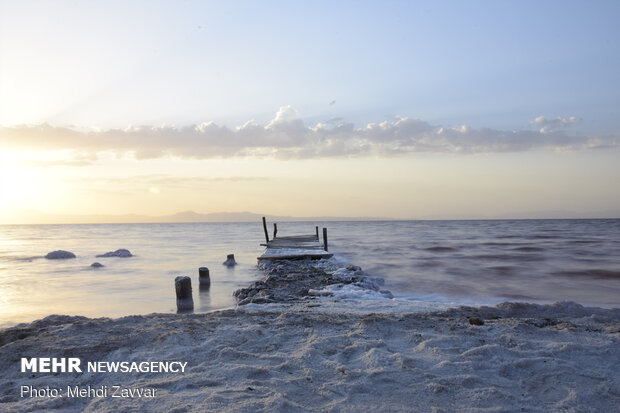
x,y
33,217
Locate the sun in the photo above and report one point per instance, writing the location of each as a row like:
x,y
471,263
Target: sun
x,y
17,184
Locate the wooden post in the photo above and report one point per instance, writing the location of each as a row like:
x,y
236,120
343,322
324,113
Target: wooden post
x,y
265,228
317,232
203,276
325,239
275,230
230,261
183,287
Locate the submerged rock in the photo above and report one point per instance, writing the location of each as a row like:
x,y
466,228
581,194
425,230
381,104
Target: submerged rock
x,y
97,265
59,255
123,253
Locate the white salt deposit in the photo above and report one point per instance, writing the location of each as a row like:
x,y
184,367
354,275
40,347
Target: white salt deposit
x,y
274,252
351,291
123,253
303,357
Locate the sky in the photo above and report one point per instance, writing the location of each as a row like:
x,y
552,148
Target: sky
x,y
408,110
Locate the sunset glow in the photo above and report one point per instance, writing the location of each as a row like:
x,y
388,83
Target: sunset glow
x,y
399,111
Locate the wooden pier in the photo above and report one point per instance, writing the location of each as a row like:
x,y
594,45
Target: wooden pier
x,y
297,247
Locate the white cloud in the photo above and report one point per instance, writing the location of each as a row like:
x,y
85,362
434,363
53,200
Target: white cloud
x,y
285,115
552,125
286,136
165,181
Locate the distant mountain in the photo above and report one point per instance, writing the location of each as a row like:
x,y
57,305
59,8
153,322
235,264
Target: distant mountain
x,y
558,214
191,216
37,217
546,214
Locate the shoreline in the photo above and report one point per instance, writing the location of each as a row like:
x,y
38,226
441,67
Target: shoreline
x,y
299,340
299,356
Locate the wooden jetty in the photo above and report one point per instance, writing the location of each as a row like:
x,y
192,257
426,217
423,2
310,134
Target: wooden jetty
x,y
297,247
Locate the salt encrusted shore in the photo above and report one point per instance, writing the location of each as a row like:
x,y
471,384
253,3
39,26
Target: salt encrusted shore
x,y
302,349
298,280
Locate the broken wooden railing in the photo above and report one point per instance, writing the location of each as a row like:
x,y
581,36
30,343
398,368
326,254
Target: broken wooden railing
x,y
296,247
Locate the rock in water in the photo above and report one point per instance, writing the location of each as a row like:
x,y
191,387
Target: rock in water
x,y
96,265
230,260
59,255
123,253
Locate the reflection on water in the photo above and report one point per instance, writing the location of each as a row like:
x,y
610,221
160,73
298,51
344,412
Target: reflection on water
x,y
491,261
204,297
32,287
460,261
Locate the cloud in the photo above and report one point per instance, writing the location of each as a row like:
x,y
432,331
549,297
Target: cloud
x,y
158,180
552,125
51,164
287,136
154,183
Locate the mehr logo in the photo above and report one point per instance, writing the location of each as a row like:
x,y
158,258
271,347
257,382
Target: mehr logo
x,y
51,365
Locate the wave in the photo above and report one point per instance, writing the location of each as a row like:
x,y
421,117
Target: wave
x,y
25,258
529,249
520,297
504,269
499,244
507,257
441,249
590,273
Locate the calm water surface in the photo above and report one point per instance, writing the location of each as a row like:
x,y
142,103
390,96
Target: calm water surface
x,y
456,262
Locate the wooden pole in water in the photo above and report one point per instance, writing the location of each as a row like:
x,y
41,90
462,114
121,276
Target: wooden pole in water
x,y
325,239
183,287
265,228
203,276
230,261
317,232
275,230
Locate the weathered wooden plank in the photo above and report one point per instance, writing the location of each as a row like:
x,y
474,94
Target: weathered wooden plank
x,y
296,246
297,237
316,256
293,247
292,241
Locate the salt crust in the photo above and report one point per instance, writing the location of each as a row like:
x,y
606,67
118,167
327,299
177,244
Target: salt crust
x,y
314,337
310,356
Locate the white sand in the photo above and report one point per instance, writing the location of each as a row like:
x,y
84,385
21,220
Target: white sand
x,y
313,357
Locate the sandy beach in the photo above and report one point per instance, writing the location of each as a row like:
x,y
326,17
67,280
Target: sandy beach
x,y
311,357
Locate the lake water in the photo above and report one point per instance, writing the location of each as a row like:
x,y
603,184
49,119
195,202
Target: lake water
x,y
450,262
